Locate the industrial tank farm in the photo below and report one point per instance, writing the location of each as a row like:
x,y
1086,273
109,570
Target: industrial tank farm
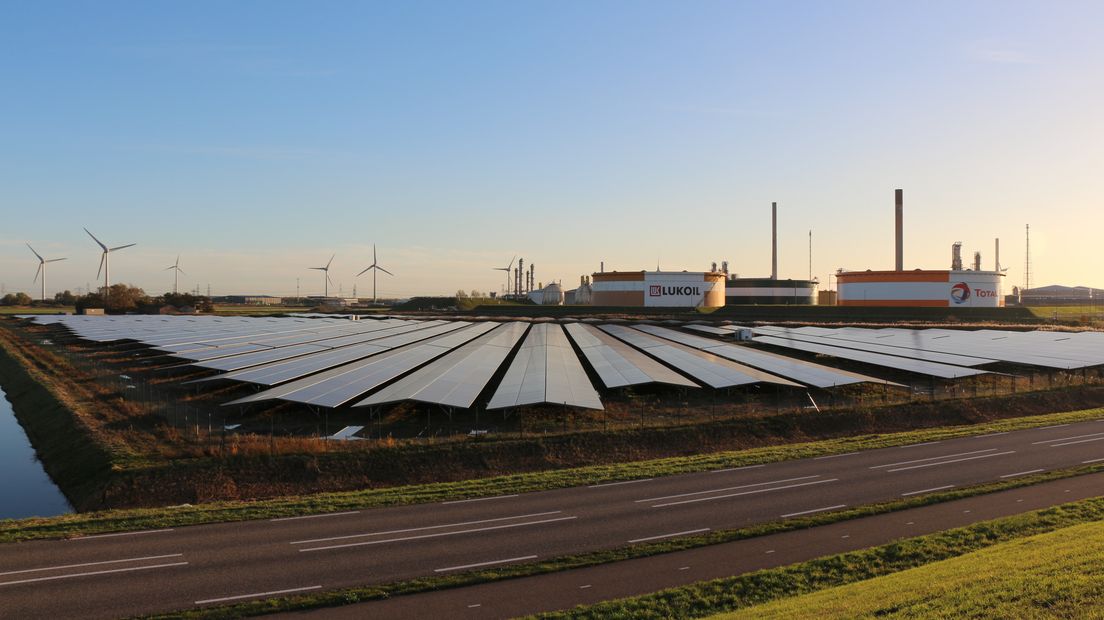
x,y
931,288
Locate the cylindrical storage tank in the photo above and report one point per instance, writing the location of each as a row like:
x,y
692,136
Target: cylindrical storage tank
x,y
661,289
932,288
751,291
552,295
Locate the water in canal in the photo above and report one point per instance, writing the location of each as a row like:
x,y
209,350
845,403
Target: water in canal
x,y
25,489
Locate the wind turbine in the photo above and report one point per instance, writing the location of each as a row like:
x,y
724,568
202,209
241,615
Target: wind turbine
x,y
104,262
507,269
176,272
374,267
42,269
325,270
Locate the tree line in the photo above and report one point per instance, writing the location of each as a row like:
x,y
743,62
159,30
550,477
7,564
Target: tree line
x,y
120,298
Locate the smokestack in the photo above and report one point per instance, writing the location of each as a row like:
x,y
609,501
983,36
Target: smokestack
x,y
774,241
996,255
899,196
977,261
602,267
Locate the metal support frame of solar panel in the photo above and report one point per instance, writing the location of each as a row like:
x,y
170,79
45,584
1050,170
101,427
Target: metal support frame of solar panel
x,y
275,373
714,331
545,371
919,354
458,378
237,357
336,387
933,369
618,364
815,375
960,342
712,370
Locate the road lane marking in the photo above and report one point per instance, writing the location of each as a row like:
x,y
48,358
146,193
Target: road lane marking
x,y
1035,443
423,536
428,527
647,538
612,484
257,595
328,514
1091,461
969,458
917,445
728,469
1043,428
478,499
1023,473
723,489
947,486
807,512
933,458
835,456
1070,443
709,499
478,564
138,533
89,574
82,565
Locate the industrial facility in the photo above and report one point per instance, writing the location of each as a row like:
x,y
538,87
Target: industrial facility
x,y
750,291
659,289
922,287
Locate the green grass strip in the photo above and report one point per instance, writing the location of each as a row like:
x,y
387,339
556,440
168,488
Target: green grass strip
x,y
1052,575
746,591
217,512
370,593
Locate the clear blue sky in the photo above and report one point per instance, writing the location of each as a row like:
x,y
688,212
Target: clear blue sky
x,y
258,138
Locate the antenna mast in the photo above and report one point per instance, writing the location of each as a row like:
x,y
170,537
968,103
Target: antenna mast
x,y
1027,260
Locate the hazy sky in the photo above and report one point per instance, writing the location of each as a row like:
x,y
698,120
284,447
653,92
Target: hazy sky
x,y
257,138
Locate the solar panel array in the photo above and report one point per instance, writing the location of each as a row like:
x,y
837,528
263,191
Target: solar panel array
x,y
328,361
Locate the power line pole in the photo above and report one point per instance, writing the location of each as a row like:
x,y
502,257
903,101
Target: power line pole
x,y
1027,260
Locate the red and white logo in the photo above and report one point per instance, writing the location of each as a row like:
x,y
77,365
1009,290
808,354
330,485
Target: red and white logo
x,y
960,293
655,290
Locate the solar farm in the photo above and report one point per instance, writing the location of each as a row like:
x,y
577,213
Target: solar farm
x,y
480,373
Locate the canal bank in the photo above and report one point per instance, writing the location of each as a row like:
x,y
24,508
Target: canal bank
x,y
25,488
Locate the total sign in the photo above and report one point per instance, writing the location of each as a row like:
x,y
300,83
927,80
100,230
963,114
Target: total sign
x,y
975,293
675,290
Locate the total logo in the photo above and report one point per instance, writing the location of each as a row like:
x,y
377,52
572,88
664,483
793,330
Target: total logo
x,y
960,293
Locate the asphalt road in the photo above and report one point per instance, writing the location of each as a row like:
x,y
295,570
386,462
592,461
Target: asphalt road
x,y
563,590
145,572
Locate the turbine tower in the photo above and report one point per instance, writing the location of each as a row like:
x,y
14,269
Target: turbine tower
x,y
507,269
42,269
105,262
374,267
176,272
325,270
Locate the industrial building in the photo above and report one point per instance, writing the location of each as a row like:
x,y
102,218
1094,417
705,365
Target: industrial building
x,y
921,287
751,291
660,289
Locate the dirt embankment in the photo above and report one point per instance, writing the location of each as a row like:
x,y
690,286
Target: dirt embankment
x,y
261,477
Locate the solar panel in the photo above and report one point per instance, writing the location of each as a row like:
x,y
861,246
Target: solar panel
x,y
545,370
619,365
714,371
458,378
341,385
944,371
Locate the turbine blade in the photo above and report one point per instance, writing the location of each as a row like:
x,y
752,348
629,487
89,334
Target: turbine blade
x,y
511,262
374,254
98,242
366,270
330,261
123,246
37,271
53,260
317,268
33,252
169,267
386,271
181,271
328,277
103,257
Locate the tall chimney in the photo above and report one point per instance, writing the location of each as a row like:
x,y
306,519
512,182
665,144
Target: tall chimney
x,y
774,241
602,267
900,202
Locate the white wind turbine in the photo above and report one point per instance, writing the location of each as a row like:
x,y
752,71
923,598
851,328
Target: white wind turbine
x,y
325,270
374,267
42,269
104,261
507,269
176,272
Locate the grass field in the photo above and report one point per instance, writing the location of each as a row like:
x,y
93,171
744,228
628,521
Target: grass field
x,y
1089,315
1054,575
